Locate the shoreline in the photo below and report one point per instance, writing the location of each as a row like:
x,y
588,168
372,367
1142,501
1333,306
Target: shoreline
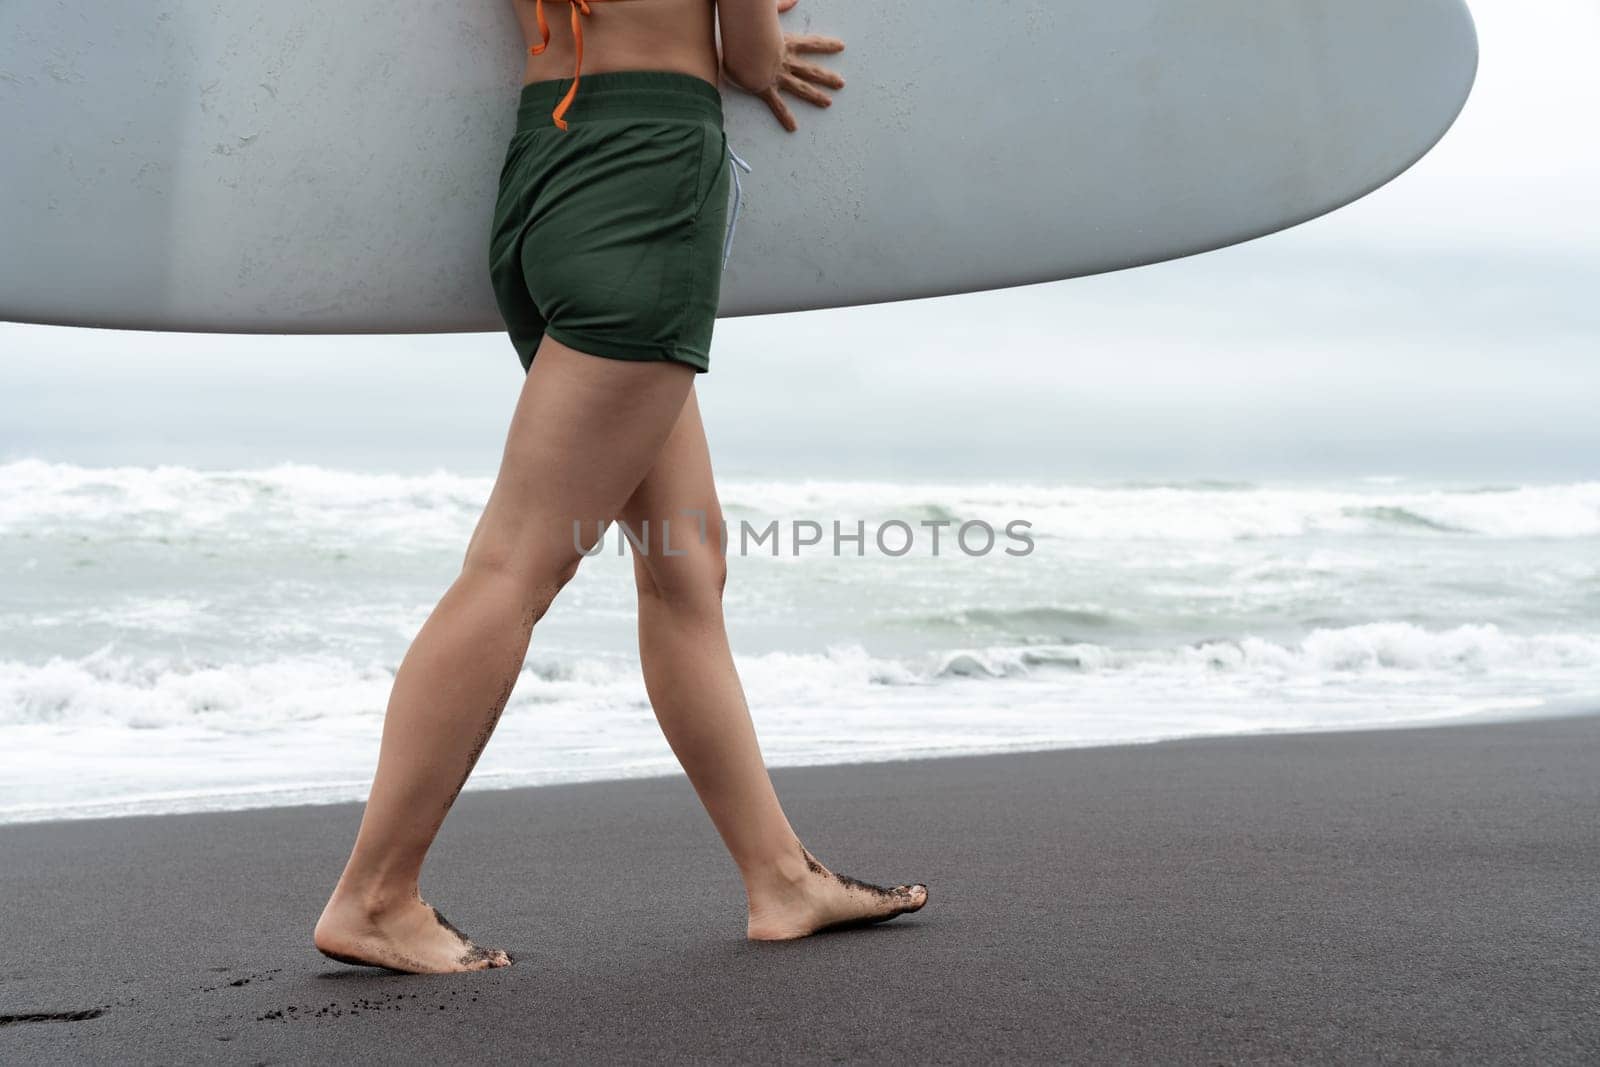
x,y
292,797
1411,893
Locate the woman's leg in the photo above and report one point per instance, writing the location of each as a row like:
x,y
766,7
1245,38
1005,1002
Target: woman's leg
x,y
694,688
585,431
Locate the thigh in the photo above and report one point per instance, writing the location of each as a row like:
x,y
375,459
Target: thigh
x,y
679,488
585,431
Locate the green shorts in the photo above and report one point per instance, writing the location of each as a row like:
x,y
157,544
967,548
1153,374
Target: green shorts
x,y
608,235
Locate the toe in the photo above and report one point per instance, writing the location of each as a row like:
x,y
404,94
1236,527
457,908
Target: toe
x,y
483,959
914,896
487,960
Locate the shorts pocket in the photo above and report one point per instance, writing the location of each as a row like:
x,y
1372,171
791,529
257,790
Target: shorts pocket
x,y
701,271
713,154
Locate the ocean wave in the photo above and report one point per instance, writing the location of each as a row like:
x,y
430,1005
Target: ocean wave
x,y
1389,515
289,501
1371,647
1012,619
110,688
300,501
143,692
1200,511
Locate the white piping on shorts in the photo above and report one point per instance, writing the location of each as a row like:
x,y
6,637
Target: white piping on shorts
x,y
735,164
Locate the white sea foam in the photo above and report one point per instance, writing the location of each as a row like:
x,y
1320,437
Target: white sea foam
x,y
174,638
432,509
144,693
1369,648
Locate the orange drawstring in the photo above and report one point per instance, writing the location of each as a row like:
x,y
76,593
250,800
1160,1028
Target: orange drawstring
x,y
577,40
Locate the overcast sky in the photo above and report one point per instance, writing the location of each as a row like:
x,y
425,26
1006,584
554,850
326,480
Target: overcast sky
x,y
1444,327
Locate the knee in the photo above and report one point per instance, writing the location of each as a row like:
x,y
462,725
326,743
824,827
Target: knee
x,y
718,578
536,578
693,583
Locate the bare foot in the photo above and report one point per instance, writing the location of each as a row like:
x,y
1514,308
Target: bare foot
x,y
817,899
411,937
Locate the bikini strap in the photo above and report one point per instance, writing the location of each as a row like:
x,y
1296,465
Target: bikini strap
x,y
578,7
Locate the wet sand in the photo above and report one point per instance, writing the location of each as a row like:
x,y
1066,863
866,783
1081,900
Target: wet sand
x,y
1423,894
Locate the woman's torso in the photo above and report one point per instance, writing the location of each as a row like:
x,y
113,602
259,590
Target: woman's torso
x,y
675,35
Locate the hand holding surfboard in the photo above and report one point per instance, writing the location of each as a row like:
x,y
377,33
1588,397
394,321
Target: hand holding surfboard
x,y
800,76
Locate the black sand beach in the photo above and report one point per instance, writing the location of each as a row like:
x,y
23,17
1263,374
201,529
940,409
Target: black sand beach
x,y
1427,894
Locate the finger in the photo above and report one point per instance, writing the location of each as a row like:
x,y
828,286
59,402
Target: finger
x,y
813,42
784,5
780,110
813,73
809,93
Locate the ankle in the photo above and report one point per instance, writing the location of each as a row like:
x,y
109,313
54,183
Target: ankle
x,y
779,875
372,900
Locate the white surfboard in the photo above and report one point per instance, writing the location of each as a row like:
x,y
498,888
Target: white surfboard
x,y
302,166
